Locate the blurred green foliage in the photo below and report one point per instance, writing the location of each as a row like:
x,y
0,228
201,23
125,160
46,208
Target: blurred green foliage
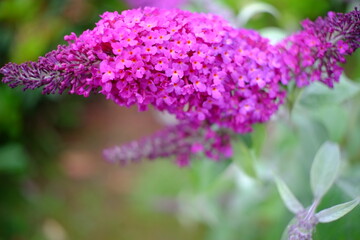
x,y
30,124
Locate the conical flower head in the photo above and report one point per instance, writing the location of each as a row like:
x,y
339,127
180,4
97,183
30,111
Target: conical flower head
x,y
192,65
195,66
315,53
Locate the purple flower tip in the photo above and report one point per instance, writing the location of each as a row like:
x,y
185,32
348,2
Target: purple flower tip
x,y
60,70
315,53
178,140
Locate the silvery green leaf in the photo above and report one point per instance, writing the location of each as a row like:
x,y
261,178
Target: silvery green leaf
x,y
335,119
252,9
258,137
337,211
312,135
324,169
318,94
245,158
288,197
273,33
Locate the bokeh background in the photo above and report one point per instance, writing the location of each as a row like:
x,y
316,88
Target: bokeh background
x,y
55,185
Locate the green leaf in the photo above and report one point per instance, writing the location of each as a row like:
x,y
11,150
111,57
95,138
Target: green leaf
x,y
273,33
312,134
204,173
318,94
10,111
334,213
288,197
324,169
244,157
253,9
258,137
335,120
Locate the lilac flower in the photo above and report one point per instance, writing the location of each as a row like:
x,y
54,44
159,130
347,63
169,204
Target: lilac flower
x,y
315,53
62,69
192,65
178,62
304,226
179,140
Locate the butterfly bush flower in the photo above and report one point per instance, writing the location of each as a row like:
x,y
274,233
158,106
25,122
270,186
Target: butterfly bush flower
x,y
195,66
315,53
179,140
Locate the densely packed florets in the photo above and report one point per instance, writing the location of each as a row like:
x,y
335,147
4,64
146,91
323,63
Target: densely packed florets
x,y
315,53
192,65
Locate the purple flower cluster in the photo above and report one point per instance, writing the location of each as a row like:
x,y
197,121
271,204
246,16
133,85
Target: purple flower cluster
x,y
63,69
179,140
315,53
194,66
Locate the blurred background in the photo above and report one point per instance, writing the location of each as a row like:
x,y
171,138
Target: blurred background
x,y
55,185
